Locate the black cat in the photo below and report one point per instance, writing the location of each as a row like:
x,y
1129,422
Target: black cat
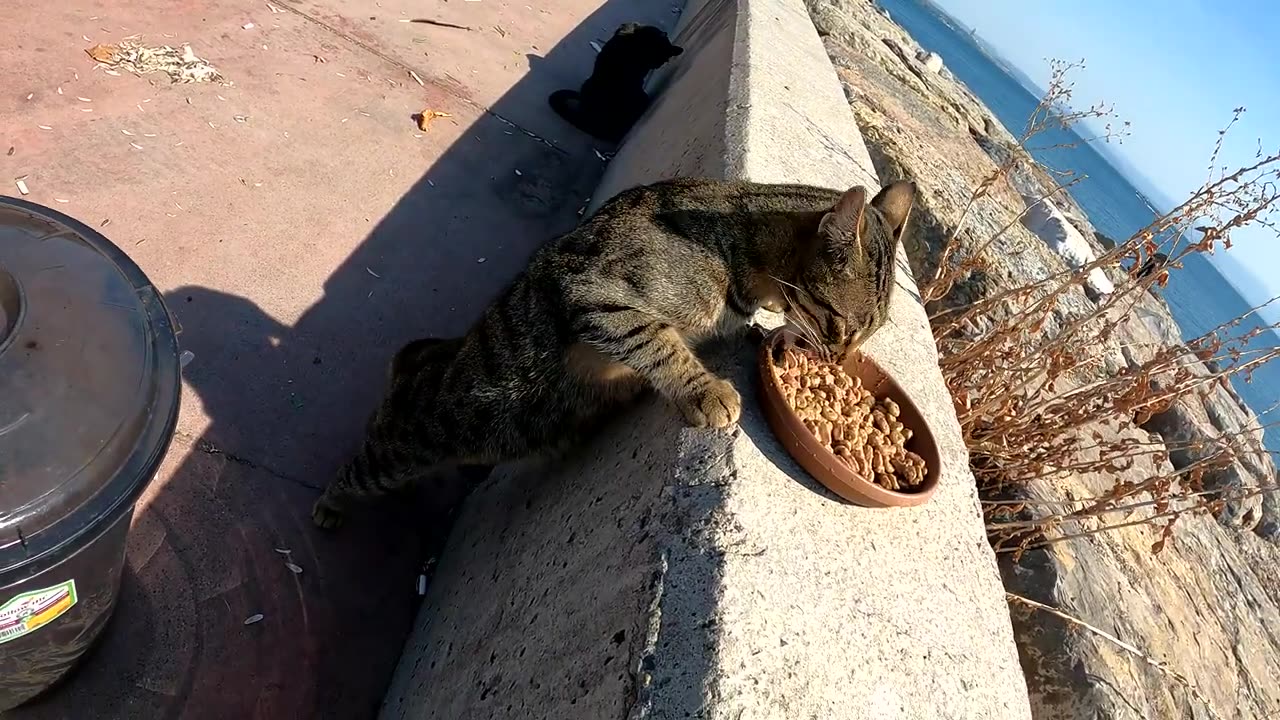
x,y
613,98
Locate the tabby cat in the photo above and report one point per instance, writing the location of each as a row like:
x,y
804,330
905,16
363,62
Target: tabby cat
x,y
611,308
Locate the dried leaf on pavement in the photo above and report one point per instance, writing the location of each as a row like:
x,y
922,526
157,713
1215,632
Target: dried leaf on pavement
x,y
425,117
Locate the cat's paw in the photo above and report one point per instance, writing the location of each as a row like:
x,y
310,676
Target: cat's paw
x,y
326,516
717,404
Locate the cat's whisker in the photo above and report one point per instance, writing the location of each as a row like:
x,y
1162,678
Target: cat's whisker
x,y
780,281
810,332
806,331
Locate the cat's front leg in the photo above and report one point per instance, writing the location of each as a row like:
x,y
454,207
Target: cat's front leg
x,y
714,404
658,353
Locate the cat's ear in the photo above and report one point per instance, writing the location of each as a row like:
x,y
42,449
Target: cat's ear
x,y
894,203
626,29
674,50
839,232
845,219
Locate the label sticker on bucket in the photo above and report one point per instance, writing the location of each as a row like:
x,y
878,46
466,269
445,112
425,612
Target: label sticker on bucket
x,y
33,610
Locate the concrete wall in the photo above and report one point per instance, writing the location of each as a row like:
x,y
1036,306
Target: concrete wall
x,y
665,572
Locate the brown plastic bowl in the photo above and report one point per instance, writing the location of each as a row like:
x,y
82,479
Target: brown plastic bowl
x,y
824,466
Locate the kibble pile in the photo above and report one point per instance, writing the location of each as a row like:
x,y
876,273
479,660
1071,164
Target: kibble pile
x,y
861,431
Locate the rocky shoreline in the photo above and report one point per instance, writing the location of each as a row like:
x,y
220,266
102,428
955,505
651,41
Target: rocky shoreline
x,y
1209,604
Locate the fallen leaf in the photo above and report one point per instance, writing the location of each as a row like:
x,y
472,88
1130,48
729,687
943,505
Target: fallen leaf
x,y
30,95
61,200
105,222
11,150
425,117
136,146
22,186
44,127
84,99
371,272
247,26
103,53
293,568
416,79
253,619
59,89
126,132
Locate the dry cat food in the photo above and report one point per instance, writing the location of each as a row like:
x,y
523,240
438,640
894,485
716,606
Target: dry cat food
x,y
863,432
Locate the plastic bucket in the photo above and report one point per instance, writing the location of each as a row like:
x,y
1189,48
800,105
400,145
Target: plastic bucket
x,y
89,396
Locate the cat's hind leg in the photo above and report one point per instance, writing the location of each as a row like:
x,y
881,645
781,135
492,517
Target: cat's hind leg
x,y
382,466
392,455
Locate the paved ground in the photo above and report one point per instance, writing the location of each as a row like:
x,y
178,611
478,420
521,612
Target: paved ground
x,y
298,245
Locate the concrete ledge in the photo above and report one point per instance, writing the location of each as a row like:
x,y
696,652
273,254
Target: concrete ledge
x,y
671,573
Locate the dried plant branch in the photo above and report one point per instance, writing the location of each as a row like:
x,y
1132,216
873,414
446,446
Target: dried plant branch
x,y
1027,364
1160,665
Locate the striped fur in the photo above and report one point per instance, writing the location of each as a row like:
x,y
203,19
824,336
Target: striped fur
x,y
610,309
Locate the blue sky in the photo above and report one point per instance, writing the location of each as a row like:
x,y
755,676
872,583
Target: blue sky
x,y
1175,69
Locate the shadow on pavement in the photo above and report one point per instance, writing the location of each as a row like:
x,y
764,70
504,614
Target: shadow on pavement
x,y
287,404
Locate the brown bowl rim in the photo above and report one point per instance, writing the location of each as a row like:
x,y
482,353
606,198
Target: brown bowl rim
x,y
819,462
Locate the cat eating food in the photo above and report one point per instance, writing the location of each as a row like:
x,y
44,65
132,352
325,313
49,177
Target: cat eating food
x,y
611,308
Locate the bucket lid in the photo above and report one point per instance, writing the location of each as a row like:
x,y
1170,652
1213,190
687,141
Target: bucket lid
x,y
89,381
